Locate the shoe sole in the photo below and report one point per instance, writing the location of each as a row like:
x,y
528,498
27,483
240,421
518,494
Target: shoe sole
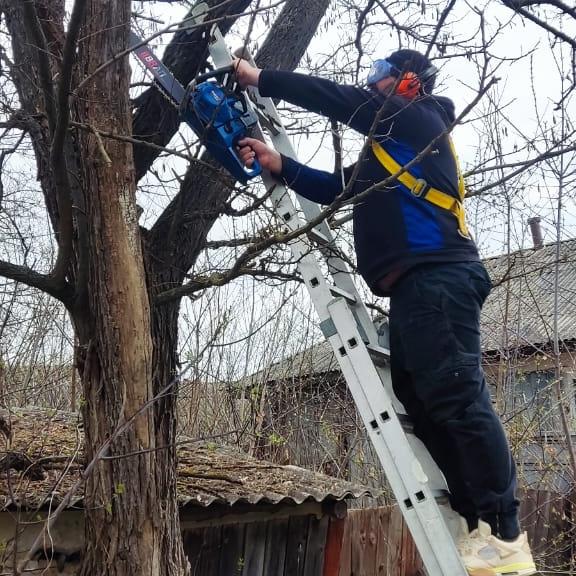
x,y
512,571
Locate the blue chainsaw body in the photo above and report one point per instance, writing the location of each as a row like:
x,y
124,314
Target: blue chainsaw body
x,y
220,118
218,115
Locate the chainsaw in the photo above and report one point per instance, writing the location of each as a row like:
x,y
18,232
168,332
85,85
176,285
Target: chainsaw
x,y
212,105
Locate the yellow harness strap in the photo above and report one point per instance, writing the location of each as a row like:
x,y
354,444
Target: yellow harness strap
x,y
419,187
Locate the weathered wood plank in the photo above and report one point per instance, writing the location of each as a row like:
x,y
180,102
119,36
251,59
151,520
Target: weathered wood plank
x,y
232,550
355,518
346,553
210,552
276,540
560,539
383,544
296,546
193,548
528,513
316,546
396,567
370,528
334,542
408,554
254,548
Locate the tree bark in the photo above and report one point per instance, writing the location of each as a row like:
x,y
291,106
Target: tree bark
x,y
132,524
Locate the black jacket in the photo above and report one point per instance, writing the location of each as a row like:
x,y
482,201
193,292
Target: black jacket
x,y
393,229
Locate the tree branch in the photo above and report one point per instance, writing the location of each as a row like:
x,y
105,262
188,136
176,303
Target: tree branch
x,y
34,29
523,166
439,26
57,155
34,279
556,3
517,7
63,107
222,278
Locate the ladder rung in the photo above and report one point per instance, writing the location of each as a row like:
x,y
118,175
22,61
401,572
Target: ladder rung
x,y
406,423
336,292
316,236
380,356
440,494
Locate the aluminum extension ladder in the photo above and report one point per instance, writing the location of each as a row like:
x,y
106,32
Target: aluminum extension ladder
x,y
416,481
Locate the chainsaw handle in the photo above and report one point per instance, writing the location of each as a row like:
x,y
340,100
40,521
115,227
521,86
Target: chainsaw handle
x,y
201,78
214,73
254,170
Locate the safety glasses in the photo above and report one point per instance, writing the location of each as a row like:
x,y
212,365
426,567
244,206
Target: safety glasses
x,y
380,69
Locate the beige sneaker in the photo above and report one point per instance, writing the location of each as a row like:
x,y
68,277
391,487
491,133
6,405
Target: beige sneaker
x,y
486,555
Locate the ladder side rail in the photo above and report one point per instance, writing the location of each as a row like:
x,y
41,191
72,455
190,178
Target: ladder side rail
x,y
409,482
272,123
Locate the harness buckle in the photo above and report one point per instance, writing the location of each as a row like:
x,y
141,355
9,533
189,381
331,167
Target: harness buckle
x,y
420,187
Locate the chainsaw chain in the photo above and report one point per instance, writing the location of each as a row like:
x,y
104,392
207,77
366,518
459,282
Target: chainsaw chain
x,y
156,85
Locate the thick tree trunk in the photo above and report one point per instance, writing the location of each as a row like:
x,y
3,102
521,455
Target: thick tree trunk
x,y
131,509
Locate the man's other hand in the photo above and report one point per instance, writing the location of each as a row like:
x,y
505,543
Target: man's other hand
x,y
250,148
246,74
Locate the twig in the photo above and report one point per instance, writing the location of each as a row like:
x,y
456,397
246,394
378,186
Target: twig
x,y
516,6
40,43
439,26
101,147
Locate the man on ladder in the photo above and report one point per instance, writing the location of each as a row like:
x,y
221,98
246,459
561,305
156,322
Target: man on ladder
x,y
412,244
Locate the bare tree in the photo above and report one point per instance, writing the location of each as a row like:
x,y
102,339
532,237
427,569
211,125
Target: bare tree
x,y
72,79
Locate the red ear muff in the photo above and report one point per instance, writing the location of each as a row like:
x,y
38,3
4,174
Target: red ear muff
x,y
409,85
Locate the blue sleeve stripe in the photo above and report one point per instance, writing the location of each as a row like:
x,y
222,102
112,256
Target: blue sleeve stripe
x,y
315,185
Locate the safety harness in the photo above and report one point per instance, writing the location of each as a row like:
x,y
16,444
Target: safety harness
x,y
420,188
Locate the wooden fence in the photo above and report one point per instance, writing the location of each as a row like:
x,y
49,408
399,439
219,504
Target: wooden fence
x,y
376,542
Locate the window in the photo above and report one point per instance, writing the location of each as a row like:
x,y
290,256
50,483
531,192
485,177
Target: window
x,y
535,402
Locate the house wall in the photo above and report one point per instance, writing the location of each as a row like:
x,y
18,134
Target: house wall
x,y
313,423
61,549
525,393
291,546
280,540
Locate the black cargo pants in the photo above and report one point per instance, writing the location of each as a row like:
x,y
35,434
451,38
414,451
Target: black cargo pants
x,y
438,377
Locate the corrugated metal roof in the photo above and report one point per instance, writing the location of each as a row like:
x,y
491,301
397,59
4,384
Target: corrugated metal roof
x,y
52,441
519,310
317,359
